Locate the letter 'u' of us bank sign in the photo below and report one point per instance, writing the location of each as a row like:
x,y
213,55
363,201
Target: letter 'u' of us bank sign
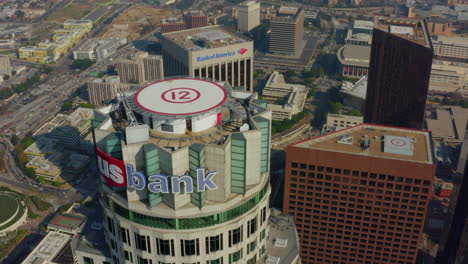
x,y
117,173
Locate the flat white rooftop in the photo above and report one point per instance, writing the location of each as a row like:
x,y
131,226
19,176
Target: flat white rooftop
x,y
49,247
180,96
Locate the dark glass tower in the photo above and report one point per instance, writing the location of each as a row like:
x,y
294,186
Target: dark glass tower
x,y
399,72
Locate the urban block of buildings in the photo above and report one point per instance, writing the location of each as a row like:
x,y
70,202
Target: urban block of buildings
x,y
336,122
48,155
354,56
399,73
360,194
450,48
248,16
62,42
212,52
447,123
288,50
98,48
228,222
189,20
143,68
449,77
284,100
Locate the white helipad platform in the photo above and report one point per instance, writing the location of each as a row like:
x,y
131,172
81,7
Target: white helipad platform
x,y
181,96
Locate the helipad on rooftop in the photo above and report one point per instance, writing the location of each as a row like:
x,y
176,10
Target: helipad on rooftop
x,y
180,97
378,141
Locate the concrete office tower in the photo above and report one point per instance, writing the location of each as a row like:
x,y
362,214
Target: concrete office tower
x,y
172,24
5,66
144,68
212,52
100,90
287,30
249,16
213,205
399,72
360,195
195,19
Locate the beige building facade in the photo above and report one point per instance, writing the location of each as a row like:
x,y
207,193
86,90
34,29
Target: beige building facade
x,y
287,30
248,16
449,77
212,52
144,68
100,90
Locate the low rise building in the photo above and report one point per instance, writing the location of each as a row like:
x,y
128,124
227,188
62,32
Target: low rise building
x,y
343,121
292,104
360,33
5,66
41,148
354,94
98,49
48,249
276,86
285,100
354,60
66,223
48,167
447,123
451,48
63,41
172,24
449,77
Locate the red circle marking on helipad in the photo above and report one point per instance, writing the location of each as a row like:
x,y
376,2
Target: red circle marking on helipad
x,y
194,96
180,95
398,142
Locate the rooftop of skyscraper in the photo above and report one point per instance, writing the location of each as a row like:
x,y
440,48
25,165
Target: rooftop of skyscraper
x,y
287,14
205,37
377,141
413,30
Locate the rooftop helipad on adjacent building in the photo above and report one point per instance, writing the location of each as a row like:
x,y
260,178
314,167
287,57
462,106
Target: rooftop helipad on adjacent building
x,y
180,96
378,141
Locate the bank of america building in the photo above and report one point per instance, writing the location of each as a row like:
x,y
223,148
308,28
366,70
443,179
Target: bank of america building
x,y
185,179
212,52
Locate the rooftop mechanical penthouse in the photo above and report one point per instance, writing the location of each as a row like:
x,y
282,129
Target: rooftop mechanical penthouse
x,y
185,177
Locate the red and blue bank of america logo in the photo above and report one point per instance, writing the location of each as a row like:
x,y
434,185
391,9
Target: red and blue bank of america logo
x,y
242,51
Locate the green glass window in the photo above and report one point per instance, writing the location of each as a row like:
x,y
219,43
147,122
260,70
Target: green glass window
x,y
87,260
152,167
238,163
189,223
235,257
196,161
264,125
253,260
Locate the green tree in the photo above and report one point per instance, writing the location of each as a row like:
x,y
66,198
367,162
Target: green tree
x,y
30,172
67,106
6,77
14,139
336,107
82,64
19,14
91,106
354,112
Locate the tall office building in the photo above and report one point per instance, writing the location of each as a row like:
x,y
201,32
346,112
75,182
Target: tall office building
x,y
195,19
212,52
144,68
100,90
287,30
360,195
248,16
185,178
399,72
